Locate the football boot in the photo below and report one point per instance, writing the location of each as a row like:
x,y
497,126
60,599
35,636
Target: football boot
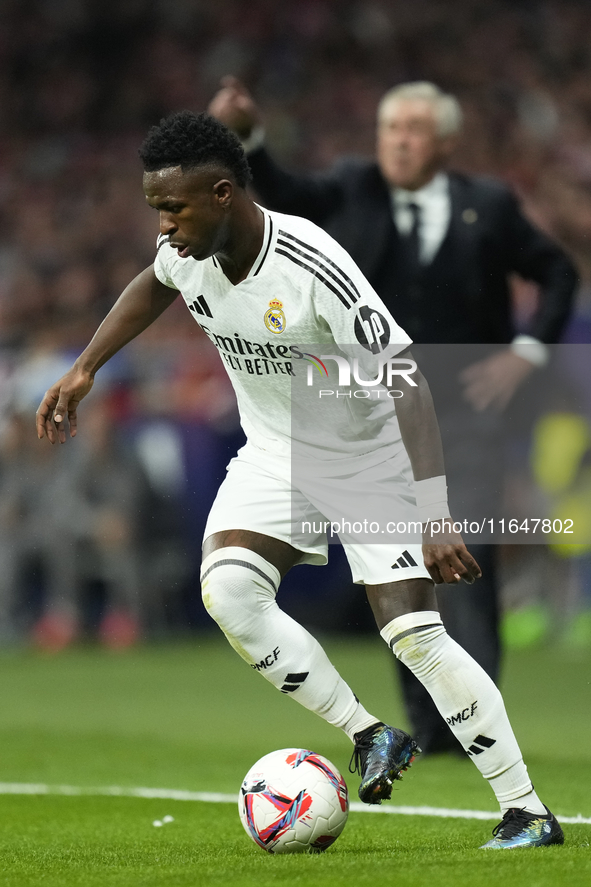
x,y
381,754
518,828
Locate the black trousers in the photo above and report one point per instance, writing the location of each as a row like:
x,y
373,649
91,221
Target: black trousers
x,y
470,614
472,445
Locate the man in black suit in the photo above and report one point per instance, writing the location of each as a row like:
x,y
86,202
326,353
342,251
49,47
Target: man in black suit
x,y
438,247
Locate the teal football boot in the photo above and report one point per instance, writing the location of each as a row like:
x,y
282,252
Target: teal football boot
x,y
381,753
518,828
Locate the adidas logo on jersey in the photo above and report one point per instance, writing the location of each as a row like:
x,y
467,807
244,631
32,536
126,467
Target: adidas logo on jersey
x,y
200,306
405,560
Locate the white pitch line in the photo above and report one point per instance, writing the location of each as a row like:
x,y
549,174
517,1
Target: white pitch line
x,y
449,813
173,794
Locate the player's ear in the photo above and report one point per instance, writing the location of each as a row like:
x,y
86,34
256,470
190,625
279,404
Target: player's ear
x,y
223,192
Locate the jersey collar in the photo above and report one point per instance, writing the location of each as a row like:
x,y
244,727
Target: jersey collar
x,y
260,260
263,253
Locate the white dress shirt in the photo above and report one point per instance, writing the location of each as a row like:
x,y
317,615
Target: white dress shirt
x,y
435,205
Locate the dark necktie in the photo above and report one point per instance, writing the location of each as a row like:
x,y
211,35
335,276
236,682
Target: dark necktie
x,y
413,241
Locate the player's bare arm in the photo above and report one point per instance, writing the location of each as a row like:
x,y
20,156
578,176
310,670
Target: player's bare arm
x,y
142,301
446,557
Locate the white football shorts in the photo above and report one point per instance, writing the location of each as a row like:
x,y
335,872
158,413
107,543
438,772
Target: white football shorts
x,y
258,495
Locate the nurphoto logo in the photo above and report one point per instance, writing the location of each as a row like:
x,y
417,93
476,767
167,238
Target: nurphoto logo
x,y
350,374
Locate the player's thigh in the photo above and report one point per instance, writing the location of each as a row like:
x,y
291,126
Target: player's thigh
x,y
393,599
257,508
395,578
282,555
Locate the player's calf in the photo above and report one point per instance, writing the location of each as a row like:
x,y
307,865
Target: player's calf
x,y
239,588
473,707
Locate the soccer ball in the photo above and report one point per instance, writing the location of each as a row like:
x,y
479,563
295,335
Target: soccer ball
x,y
293,801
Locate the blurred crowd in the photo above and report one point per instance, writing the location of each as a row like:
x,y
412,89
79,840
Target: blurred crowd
x,y
80,82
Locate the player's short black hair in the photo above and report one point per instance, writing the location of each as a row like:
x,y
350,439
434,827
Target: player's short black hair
x,y
188,140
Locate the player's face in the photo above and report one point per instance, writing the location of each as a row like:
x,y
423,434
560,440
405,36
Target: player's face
x,y
409,148
193,208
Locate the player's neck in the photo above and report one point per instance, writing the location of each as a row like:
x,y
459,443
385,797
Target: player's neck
x,y
244,243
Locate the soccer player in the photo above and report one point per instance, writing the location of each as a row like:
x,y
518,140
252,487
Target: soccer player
x,y
261,285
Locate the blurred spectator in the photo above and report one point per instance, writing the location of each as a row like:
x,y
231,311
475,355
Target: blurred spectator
x,y
110,541
31,543
561,460
73,522
103,499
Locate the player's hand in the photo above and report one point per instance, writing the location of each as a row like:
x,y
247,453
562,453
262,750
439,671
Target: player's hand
x,y
446,557
493,382
234,106
59,406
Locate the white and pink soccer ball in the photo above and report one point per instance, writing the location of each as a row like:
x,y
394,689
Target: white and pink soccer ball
x,y
293,801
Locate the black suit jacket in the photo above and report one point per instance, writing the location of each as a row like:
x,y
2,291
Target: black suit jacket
x,y
463,295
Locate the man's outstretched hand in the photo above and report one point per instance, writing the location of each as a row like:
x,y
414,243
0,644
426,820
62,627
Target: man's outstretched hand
x,y
445,555
58,408
234,106
492,383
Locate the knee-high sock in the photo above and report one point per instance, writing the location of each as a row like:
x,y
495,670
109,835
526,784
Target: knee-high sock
x,y
468,700
239,589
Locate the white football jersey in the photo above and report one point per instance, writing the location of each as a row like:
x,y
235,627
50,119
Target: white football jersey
x,y
303,299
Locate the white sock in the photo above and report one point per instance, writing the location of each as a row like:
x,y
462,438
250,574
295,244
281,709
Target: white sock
x,y
468,700
239,589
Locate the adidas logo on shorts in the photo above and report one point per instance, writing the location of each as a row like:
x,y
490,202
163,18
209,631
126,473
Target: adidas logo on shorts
x,y
405,560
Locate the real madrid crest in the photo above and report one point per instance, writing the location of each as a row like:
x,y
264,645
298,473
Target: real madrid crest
x,y
274,317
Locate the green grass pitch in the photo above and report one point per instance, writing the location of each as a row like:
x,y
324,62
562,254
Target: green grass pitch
x,y
194,717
